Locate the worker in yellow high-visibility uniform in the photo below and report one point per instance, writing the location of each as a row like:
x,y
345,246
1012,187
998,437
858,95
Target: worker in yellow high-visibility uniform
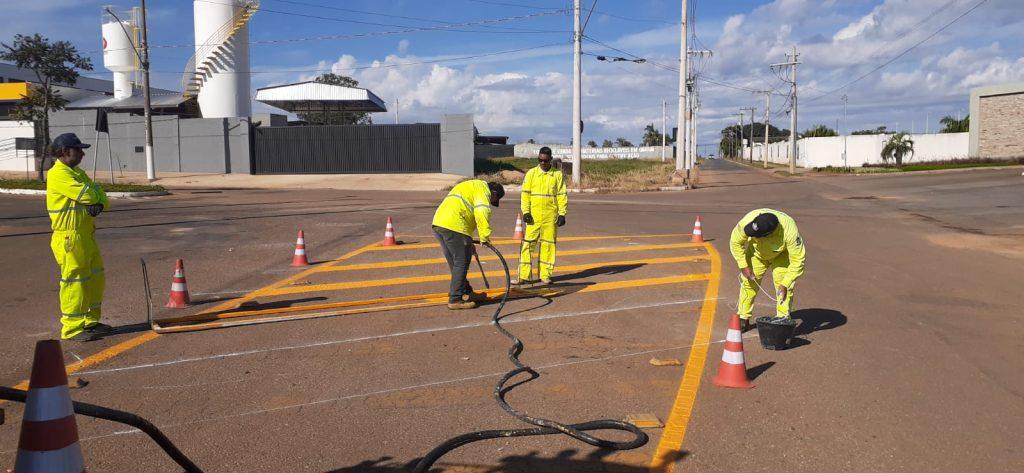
x,y
465,209
764,239
544,203
73,200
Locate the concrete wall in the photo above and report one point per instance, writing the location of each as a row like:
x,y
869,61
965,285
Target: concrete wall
x,y
493,151
861,149
14,159
457,144
205,145
530,150
997,116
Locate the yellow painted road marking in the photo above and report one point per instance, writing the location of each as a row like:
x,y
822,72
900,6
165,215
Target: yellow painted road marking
x,y
434,244
667,452
437,298
429,261
337,286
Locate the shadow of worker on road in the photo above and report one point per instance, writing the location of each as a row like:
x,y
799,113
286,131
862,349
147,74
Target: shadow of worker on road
x,y
565,461
814,320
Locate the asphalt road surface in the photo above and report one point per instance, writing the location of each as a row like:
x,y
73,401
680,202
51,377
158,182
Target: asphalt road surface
x,y
908,356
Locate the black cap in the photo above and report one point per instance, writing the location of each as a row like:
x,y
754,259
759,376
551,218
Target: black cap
x,y
497,192
762,226
68,140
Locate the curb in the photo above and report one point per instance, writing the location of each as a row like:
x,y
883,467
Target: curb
x,y
114,195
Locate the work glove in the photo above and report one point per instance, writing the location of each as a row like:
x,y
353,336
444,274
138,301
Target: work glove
x,y
560,221
747,273
528,219
94,209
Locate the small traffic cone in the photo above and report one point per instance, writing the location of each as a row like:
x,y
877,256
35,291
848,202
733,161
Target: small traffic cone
x,y
299,259
389,234
179,288
698,235
519,234
732,371
49,434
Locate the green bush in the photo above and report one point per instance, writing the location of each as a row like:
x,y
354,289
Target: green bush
x,y
39,185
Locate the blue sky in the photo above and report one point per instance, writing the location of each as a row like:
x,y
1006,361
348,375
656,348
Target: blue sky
x,y
519,83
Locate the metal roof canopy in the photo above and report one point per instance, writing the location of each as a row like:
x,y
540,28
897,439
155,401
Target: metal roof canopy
x,y
317,97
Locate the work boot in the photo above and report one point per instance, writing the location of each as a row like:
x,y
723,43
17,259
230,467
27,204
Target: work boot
x,y
545,281
99,328
461,305
474,296
745,324
84,336
518,282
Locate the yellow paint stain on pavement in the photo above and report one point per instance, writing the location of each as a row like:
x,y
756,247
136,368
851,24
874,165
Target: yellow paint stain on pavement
x,y
670,445
472,275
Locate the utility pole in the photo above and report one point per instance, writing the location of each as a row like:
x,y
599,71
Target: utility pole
x,y
664,130
742,151
682,147
751,140
927,118
767,108
147,104
396,111
577,86
739,143
846,127
791,63
694,106
691,106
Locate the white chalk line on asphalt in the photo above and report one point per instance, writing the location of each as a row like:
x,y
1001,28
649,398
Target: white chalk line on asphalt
x,y
398,389
380,337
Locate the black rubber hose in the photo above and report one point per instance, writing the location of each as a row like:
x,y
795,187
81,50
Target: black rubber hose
x,y
544,426
127,418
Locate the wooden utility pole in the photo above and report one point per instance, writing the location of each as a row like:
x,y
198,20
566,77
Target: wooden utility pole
x,y
147,104
791,63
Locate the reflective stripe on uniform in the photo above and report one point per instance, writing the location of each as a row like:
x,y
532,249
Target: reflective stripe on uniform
x,y
79,314
463,199
85,187
70,280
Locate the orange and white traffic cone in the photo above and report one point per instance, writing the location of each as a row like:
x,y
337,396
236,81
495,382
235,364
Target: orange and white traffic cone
x,y
698,234
519,234
299,259
389,234
49,434
179,288
732,371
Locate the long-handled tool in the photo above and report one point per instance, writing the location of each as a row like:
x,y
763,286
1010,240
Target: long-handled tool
x,y
543,426
476,255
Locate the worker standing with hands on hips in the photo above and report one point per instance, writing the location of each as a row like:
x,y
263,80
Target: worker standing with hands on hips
x,y
465,209
764,239
73,201
544,203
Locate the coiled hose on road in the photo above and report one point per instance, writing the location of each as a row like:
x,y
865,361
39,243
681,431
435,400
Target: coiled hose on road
x,y
544,426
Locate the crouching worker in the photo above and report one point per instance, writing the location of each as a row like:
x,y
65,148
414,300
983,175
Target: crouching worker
x,y
767,239
465,209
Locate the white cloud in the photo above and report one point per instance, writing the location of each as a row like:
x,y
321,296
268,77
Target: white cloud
x,y
403,46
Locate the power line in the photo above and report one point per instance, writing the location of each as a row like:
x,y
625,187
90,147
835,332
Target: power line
x,y
517,5
898,56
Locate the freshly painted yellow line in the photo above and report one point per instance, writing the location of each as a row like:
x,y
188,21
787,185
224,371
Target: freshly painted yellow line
x,y
671,443
434,244
429,261
338,286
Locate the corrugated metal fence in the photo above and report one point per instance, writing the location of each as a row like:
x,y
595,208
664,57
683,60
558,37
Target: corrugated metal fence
x,y
339,149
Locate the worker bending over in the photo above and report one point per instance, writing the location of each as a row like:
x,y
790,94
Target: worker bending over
x,y
465,209
73,200
764,239
543,203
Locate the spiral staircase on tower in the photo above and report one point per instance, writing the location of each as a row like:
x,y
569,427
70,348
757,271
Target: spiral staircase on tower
x,y
214,49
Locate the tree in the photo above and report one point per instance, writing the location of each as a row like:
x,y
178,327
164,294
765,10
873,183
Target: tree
x,y
592,144
53,64
952,125
607,143
335,117
877,131
652,137
623,143
729,144
820,130
899,145
531,141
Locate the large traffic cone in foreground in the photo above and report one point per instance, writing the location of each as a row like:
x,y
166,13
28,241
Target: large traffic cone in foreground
x,y
389,234
299,259
519,234
179,288
49,435
698,234
732,371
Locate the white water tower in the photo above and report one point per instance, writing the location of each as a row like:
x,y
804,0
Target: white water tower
x,y
222,56
119,50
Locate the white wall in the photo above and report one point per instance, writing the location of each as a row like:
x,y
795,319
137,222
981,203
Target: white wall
x,y
11,159
563,152
860,149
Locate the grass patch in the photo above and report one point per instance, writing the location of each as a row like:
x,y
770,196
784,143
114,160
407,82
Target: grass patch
x,y
619,174
39,185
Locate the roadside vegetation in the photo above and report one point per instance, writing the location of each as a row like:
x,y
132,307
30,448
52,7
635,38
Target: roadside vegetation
x,y
612,174
923,166
107,187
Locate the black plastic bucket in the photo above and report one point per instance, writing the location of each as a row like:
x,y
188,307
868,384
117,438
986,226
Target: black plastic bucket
x,y
775,332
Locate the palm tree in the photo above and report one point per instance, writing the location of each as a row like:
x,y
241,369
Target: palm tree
x,y
952,125
899,145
